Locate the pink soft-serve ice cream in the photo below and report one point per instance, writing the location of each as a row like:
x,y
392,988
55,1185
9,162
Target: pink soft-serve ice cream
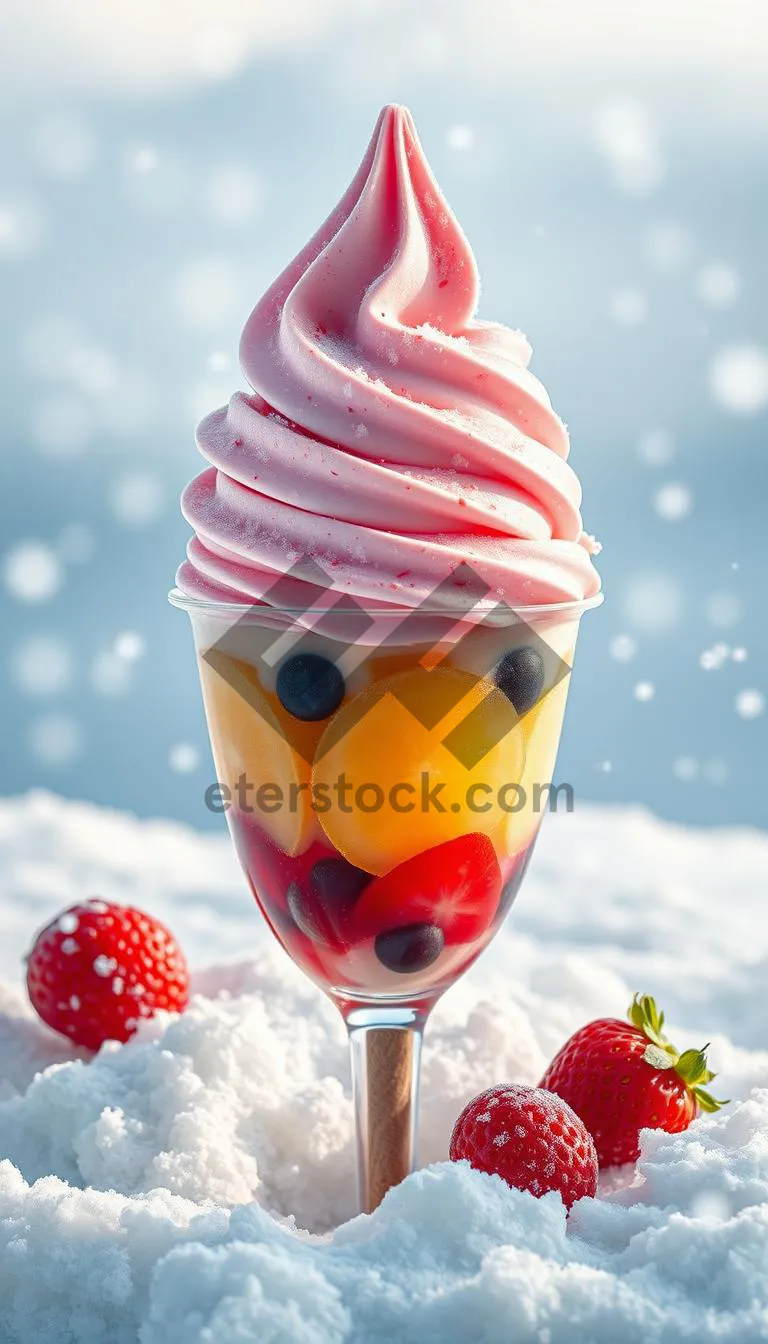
x,y
395,462
390,434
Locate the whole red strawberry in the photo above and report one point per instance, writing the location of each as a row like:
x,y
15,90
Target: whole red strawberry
x,y
621,1077
99,968
530,1138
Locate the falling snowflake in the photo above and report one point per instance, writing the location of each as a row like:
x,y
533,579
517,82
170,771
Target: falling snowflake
x,y
218,361
42,665
750,704
656,448
207,292
718,284
183,758
627,139
234,194
724,610
629,306
461,138
137,498
129,646
685,768
110,675
712,660
32,572
22,227
673,501
738,379
56,739
644,691
716,771
668,246
94,369
154,182
62,426
653,602
623,648
142,158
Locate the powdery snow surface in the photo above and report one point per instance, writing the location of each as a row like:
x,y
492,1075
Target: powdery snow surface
x,y
185,1188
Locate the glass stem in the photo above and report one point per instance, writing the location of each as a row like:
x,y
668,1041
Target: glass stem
x,y
385,1047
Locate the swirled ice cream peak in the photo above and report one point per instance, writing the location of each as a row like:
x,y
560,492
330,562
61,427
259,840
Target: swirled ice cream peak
x,y
390,434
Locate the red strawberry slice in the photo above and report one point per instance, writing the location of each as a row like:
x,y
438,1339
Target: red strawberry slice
x,y
456,886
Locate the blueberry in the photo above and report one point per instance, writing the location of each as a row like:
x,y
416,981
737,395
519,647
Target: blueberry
x,y
520,675
310,687
411,948
334,886
336,883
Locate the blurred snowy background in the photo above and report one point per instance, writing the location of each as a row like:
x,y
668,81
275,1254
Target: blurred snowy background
x,y
609,164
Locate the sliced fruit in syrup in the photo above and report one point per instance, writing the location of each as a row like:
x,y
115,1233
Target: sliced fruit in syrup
x,y
455,886
381,737
253,737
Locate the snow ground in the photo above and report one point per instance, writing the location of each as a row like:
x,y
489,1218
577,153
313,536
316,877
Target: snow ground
x,y
186,1187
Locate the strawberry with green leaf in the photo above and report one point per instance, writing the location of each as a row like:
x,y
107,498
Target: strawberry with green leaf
x,y
621,1077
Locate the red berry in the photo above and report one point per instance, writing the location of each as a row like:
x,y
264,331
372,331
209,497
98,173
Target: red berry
x,y
456,886
99,968
530,1138
621,1077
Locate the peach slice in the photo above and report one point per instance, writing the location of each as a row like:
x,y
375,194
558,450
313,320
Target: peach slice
x,y
253,735
416,760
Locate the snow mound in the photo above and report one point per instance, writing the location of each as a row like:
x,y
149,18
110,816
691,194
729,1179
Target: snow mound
x,y
196,1185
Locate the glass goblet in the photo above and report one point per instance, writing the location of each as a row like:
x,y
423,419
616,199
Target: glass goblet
x,y
384,774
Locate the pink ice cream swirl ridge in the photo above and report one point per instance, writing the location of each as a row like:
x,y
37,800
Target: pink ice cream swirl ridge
x,y
390,435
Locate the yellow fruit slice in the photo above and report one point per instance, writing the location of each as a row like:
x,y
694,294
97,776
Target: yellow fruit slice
x,y
252,735
414,761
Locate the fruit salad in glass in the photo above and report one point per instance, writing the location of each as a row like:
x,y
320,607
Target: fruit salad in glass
x,y
385,581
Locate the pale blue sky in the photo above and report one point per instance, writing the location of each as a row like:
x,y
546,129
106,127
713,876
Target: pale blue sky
x,y
616,202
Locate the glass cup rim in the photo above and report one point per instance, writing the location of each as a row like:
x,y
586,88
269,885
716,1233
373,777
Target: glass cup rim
x,y
212,606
